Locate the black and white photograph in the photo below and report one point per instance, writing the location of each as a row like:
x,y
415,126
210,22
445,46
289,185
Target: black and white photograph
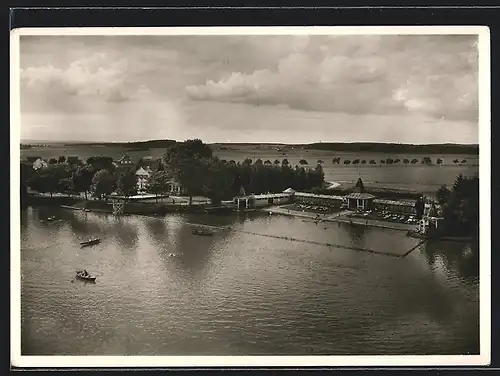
x,y
250,196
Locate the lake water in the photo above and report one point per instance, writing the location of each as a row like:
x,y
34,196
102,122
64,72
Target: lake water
x,y
163,291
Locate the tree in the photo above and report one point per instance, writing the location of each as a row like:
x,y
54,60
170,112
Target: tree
x,y
397,160
426,161
277,162
158,183
258,162
461,209
336,160
48,180
285,162
464,161
101,163
356,161
52,161
303,162
406,161
61,159
382,161
220,182
82,179
347,162
443,194
372,162
267,162
320,161
104,183
439,161
43,181
188,162
363,162
389,161
456,161
414,161
127,183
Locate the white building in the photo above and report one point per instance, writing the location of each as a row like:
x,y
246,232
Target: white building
x,y
142,178
39,163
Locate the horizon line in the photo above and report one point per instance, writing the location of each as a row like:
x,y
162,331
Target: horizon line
x,y
243,142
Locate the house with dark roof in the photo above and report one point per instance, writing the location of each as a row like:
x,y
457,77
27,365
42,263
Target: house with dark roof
x,y
124,160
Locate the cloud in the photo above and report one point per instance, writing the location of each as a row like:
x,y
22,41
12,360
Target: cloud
x,y
431,75
95,78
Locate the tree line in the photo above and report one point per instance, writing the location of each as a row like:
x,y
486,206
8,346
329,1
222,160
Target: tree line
x,y
395,161
191,163
391,148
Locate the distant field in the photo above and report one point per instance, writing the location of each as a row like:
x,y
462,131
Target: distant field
x,y
423,178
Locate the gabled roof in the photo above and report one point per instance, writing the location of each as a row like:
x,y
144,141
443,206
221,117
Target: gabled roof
x,y
142,171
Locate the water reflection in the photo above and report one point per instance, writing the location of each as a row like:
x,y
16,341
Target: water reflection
x,y
455,257
237,293
357,234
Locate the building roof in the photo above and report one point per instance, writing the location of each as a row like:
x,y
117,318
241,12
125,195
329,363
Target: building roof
x,y
289,190
269,195
360,196
394,202
359,187
312,195
142,171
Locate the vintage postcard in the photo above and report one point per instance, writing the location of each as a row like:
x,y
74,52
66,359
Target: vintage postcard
x,y
278,196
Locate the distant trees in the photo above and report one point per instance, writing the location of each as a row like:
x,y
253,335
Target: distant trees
x,y
414,161
363,162
336,160
406,161
52,161
302,162
320,161
356,161
101,163
439,161
285,162
61,159
277,162
347,162
372,162
267,162
426,161
382,161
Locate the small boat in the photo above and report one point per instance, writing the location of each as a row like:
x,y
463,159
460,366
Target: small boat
x,y
85,276
202,232
91,241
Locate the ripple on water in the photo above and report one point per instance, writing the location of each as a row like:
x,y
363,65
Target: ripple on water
x,y
161,291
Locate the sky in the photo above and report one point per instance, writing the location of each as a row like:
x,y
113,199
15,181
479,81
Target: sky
x,y
244,88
